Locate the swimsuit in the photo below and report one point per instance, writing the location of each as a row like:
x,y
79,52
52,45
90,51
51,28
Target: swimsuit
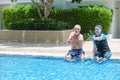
x,y
75,52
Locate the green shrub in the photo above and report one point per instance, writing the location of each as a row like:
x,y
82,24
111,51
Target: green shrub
x,y
88,36
87,17
48,24
12,14
18,13
30,12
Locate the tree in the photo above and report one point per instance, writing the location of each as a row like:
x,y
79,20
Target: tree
x,y
47,4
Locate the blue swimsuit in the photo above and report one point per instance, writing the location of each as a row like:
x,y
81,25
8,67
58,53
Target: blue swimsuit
x,y
102,46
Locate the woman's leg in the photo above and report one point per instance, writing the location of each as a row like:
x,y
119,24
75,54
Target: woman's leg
x,y
107,55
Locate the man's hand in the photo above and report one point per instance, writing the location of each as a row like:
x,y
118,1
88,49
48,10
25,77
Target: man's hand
x,y
69,41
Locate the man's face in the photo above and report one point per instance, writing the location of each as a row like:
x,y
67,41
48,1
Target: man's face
x,y
76,30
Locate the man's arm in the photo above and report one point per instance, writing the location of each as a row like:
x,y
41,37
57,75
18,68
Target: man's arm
x,y
81,40
69,38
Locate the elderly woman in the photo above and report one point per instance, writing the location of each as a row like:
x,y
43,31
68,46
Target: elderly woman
x,y
101,50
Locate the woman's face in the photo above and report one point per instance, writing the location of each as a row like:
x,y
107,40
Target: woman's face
x,y
97,31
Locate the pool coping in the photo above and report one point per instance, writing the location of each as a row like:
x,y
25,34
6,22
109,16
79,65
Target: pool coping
x,y
51,49
47,54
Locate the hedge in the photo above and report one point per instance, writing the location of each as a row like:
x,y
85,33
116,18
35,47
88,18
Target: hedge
x,y
87,17
48,24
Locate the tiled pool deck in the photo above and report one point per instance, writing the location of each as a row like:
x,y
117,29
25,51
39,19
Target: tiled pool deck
x,y
52,49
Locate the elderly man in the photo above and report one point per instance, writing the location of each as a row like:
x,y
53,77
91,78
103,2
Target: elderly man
x,y
76,40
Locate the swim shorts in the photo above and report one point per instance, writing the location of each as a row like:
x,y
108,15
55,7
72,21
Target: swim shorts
x,y
75,52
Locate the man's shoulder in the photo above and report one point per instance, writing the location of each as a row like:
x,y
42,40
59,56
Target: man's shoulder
x,y
81,35
72,33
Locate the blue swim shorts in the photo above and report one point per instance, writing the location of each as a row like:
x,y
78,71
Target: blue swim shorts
x,y
75,52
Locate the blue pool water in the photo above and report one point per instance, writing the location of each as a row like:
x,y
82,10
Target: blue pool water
x,y
53,68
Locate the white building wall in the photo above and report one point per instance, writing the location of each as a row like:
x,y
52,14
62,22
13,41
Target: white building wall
x,y
25,0
0,18
5,0
107,3
60,4
116,28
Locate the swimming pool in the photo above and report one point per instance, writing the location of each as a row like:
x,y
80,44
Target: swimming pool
x,y
56,68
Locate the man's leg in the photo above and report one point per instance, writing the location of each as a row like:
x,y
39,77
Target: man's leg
x,y
68,57
81,56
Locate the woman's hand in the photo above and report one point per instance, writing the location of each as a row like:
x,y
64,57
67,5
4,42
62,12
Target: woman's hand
x,y
97,38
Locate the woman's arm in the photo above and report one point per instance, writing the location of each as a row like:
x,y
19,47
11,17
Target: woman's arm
x,y
102,37
98,38
94,49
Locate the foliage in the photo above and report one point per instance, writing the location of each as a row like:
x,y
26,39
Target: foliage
x,y
13,0
78,1
48,24
25,17
12,14
88,35
47,5
87,17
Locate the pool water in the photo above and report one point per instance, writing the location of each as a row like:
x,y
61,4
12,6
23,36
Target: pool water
x,y
56,68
